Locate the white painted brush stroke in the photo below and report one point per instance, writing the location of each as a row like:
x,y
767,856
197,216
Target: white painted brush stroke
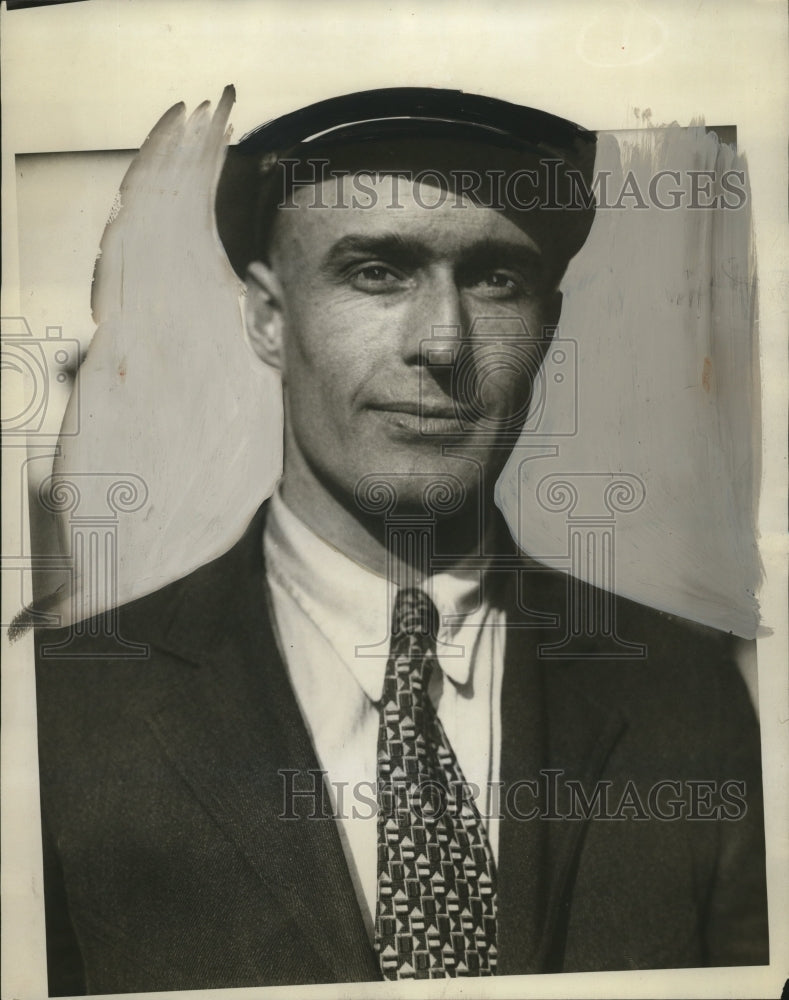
x,y
661,305
170,391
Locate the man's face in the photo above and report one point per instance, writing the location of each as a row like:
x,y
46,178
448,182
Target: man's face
x,y
407,337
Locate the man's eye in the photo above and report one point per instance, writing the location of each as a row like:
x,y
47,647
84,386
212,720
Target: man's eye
x,y
500,285
375,278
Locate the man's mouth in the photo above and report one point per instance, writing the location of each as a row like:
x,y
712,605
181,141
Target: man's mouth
x,y
441,410
423,417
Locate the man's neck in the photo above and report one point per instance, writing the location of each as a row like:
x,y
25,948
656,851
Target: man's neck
x,y
364,538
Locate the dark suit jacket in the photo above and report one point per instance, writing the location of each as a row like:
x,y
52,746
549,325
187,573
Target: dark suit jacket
x,y
167,865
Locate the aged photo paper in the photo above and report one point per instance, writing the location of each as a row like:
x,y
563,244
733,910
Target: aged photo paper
x,y
534,374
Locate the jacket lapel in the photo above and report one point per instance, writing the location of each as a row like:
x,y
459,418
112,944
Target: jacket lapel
x,y
230,733
551,733
522,882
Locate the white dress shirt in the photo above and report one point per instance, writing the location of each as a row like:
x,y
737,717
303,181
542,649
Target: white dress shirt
x,y
333,619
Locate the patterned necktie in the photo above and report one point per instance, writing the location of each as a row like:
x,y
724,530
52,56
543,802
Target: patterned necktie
x,y
436,912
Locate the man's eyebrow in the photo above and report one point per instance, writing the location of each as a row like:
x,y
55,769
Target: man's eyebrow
x,y
398,247
498,251
391,246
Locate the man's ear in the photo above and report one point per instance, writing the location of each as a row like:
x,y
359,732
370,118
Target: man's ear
x,y
265,318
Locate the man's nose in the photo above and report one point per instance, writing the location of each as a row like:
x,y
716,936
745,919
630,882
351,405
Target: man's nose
x,y
438,311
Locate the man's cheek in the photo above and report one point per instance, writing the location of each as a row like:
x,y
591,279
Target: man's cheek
x,y
502,381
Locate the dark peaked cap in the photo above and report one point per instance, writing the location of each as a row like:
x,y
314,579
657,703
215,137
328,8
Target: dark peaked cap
x,y
374,123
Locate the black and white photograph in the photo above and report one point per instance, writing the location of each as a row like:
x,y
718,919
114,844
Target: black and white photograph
x,y
394,478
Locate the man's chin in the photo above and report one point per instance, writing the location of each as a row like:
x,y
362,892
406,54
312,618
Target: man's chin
x,y
427,484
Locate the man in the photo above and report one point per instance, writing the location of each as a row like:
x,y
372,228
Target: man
x,y
351,754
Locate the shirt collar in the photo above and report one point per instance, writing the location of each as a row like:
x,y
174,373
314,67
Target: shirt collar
x,y
352,606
